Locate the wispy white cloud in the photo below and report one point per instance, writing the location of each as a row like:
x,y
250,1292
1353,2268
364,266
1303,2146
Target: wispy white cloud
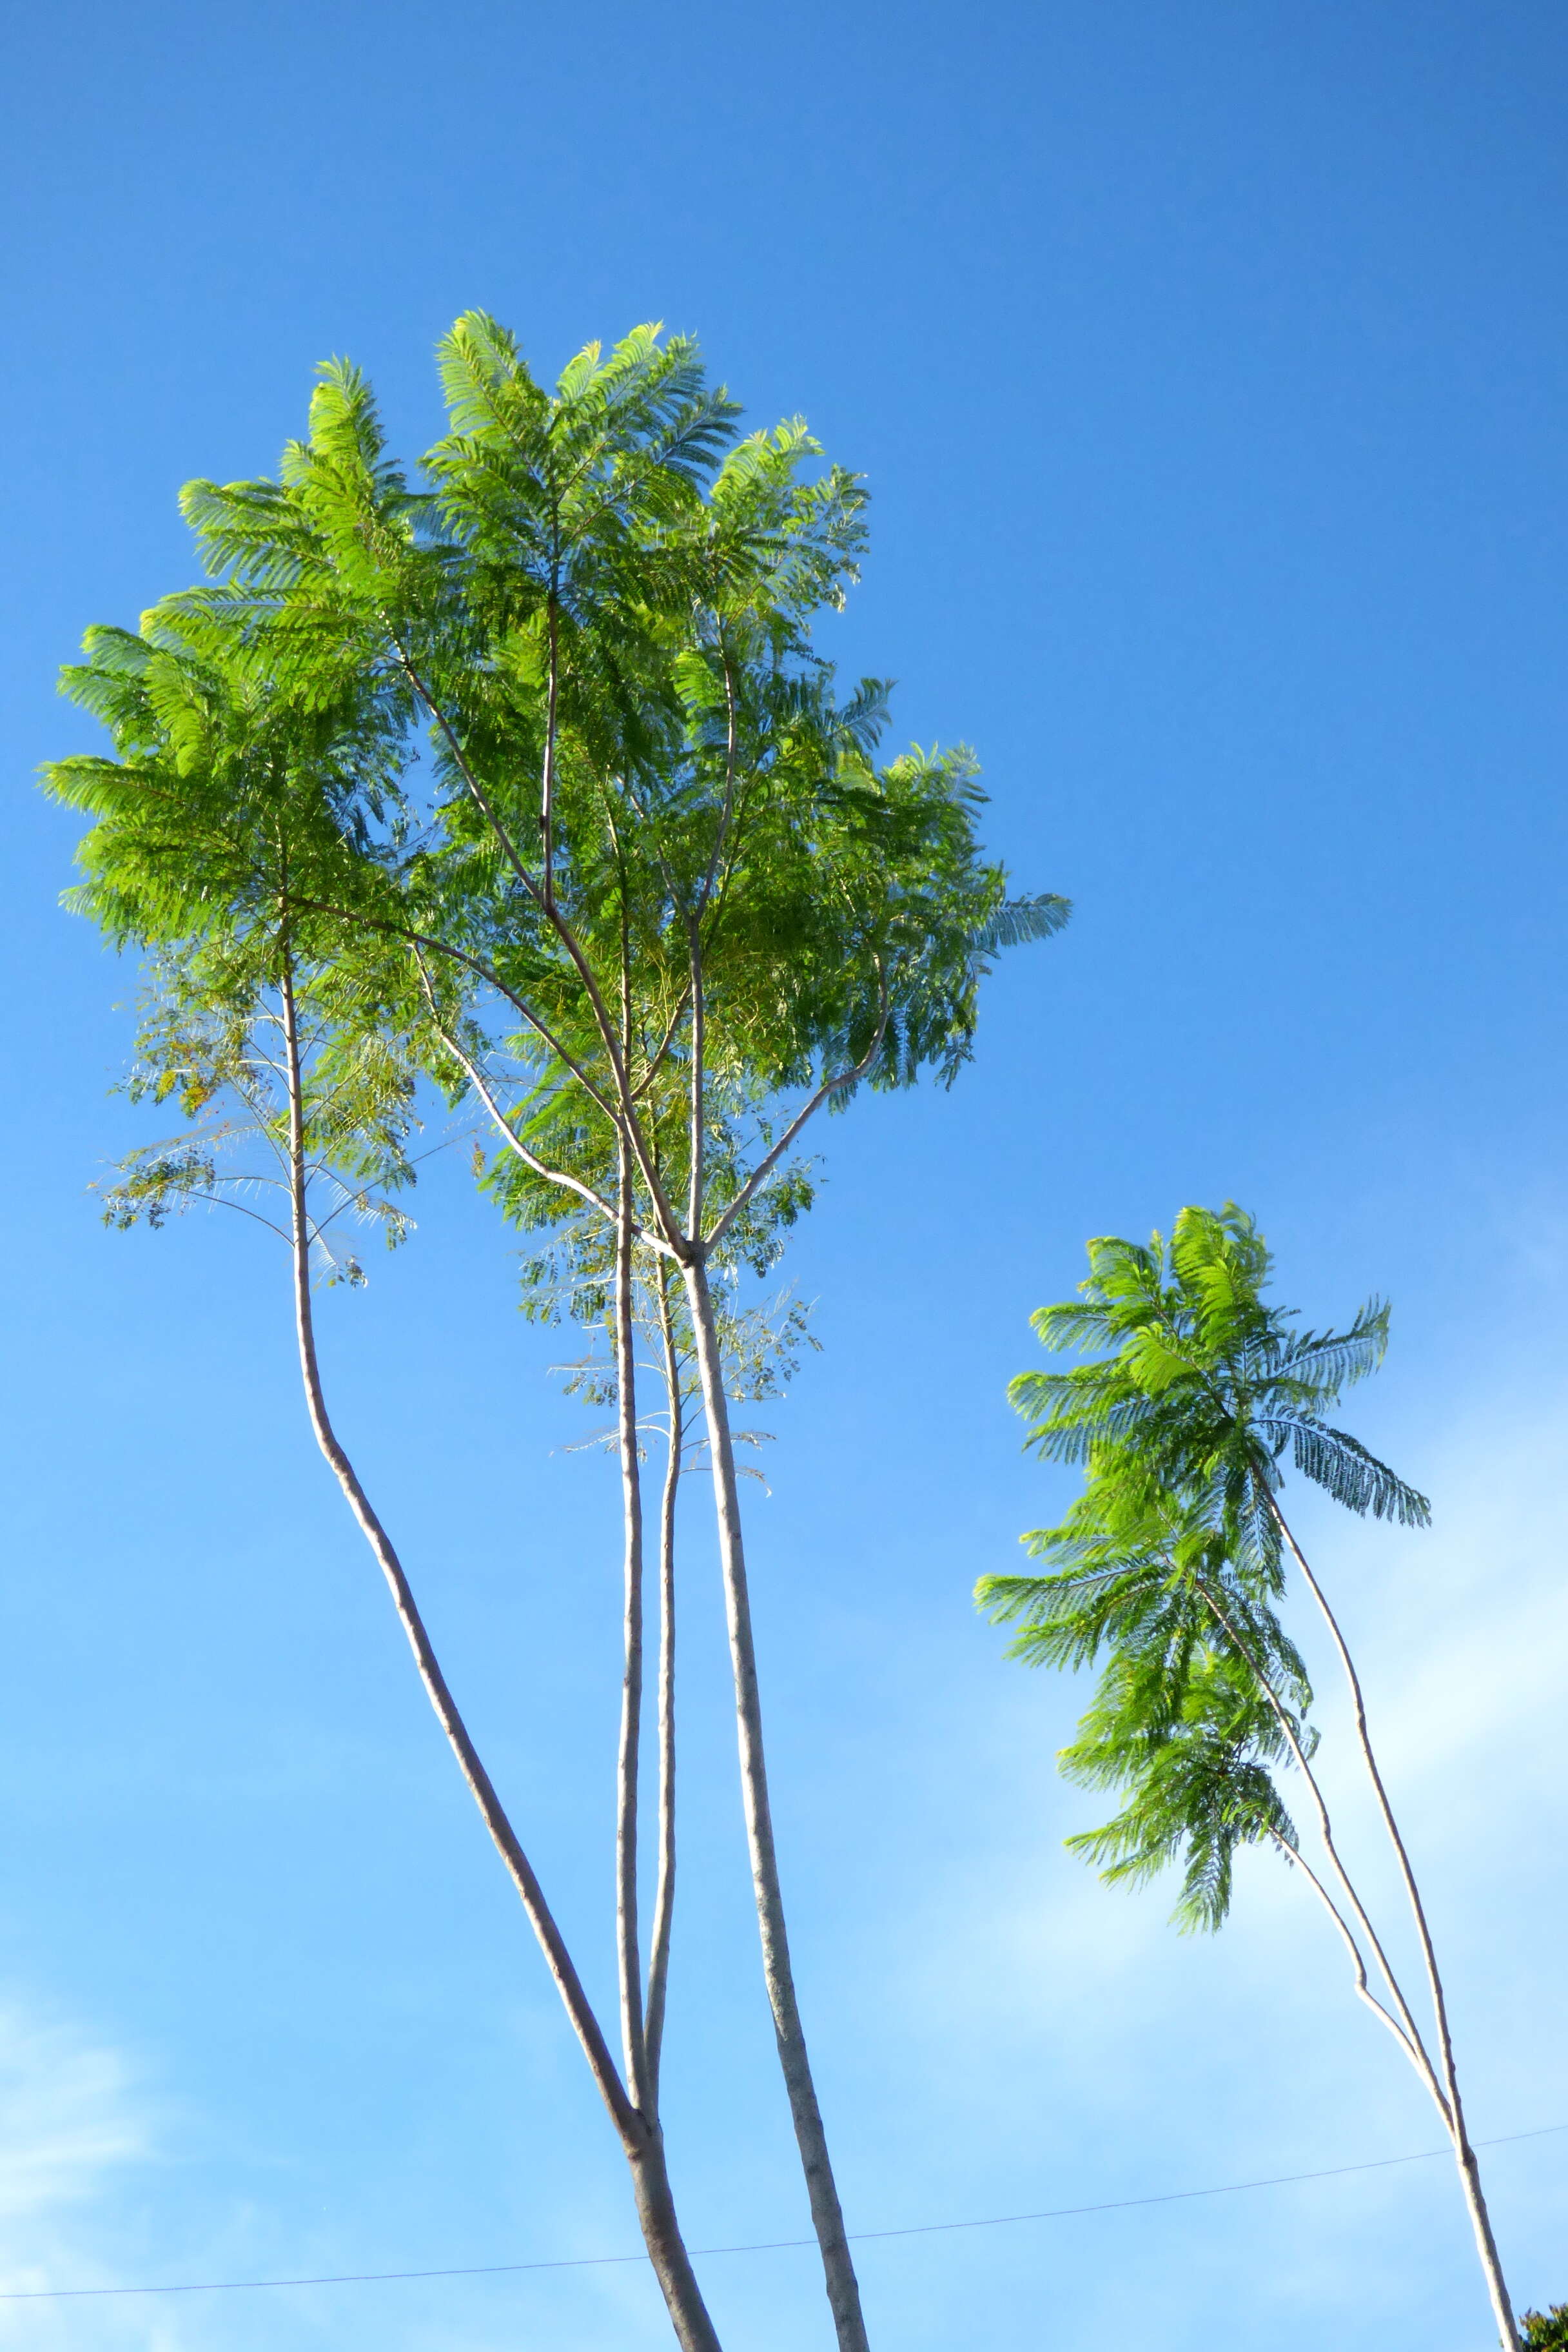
x,y
76,2124
68,2117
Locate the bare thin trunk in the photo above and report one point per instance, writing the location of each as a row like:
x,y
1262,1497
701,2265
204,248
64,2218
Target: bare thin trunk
x,y
1470,2170
547,792
695,2332
640,2137
628,1949
664,1893
843,2288
1407,2031
1294,1855
698,1044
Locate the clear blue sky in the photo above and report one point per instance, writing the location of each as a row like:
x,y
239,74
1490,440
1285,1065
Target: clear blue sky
x,y
1208,366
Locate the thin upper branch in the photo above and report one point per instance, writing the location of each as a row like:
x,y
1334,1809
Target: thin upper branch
x,y
699,1045
1416,2046
766,1166
721,831
546,903
1363,1991
1412,1893
513,1141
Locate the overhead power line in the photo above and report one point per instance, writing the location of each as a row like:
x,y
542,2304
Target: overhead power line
x,y
762,2245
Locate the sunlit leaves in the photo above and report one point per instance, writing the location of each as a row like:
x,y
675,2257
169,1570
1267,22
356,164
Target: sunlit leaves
x,y
1170,1566
210,1041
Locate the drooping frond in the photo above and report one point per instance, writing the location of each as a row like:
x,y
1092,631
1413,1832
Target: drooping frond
x,y
1343,1468
1198,1775
1329,1361
1019,920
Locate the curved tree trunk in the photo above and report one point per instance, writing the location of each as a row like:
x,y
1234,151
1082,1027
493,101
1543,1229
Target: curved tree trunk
x,y
828,2218
1405,2030
640,2137
1465,2154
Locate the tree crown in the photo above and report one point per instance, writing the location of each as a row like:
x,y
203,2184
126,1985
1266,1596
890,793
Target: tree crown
x,y
1169,1564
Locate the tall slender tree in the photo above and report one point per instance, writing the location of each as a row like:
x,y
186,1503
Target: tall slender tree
x,y
662,857
1173,1565
230,816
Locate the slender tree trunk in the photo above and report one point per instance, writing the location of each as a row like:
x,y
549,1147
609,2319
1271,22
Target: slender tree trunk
x,y
664,1893
695,2332
1464,2155
547,793
629,1948
1406,2029
640,2139
1298,1861
843,2288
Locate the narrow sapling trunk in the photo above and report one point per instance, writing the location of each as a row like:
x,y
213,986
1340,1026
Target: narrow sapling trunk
x,y
664,1892
639,2134
628,1949
1464,2153
828,2218
1403,2028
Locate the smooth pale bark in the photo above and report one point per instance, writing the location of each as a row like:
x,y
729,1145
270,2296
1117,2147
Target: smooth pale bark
x,y
1404,2029
641,2138
1464,2155
629,1948
828,2218
664,1892
1298,1861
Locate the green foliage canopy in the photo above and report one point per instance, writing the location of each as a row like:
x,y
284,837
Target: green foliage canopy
x,y
648,805
1171,1563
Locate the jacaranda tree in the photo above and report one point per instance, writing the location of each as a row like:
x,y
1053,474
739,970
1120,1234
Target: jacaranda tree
x,y
649,900
1171,1567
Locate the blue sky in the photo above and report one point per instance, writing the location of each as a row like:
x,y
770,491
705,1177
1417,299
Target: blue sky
x,y
1208,367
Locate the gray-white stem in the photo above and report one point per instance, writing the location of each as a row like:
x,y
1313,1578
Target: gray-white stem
x,y
1469,2168
1410,2034
664,1891
628,1946
828,2218
1294,1855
